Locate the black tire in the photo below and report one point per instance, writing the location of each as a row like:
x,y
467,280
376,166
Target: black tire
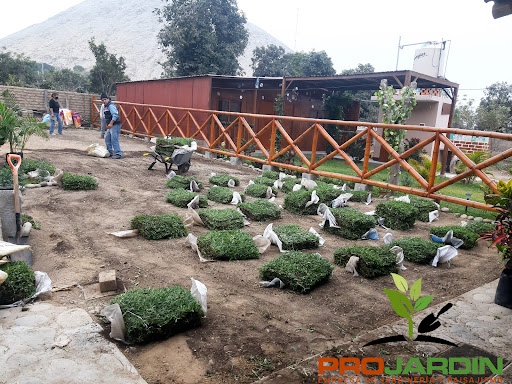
x,y
183,168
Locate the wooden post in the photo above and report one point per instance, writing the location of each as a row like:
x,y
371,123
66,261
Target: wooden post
x,y
367,150
433,168
444,158
272,141
314,145
239,136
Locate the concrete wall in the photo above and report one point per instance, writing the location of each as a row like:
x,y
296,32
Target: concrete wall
x,y
36,100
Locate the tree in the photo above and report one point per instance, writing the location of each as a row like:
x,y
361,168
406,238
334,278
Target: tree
x,y
395,112
268,61
202,37
107,71
495,110
66,80
369,110
16,69
465,116
360,69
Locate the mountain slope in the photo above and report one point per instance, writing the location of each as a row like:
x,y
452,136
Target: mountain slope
x,y
130,30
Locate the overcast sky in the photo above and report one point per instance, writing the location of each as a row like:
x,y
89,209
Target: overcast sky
x,y
353,32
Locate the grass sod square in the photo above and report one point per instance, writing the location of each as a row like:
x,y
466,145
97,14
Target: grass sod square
x,y
72,182
227,245
271,175
332,180
300,272
157,314
480,227
258,190
358,196
467,236
352,223
373,261
166,147
265,181
261,210
159,227
295,202
220,219
182,182
223,195
288,184
397,214
417,250
223,180
424,206
294,238
20,283
327,193
181,197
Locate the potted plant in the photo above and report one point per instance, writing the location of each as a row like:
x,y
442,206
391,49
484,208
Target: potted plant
x,y
501,237
17,129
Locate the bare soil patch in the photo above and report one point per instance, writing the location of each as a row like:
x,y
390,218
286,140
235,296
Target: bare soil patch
x,y
250,331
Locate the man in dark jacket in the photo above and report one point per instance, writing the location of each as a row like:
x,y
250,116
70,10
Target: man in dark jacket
x,y
54,114
113,127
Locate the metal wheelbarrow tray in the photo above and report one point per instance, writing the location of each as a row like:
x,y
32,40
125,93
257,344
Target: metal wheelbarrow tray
x,y
181,158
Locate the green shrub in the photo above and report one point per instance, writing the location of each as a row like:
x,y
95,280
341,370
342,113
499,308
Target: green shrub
x,y
332,180
219,219
480,227
19,285
159,226
417,250
223,180
327,193
166,147
264,180
33,165
373,261
258,190
271,175
261,210
352,223
222,195
156,314
180,198
397,214
295,238
182,182
467,236
29,219
359,196
227,245
299,271
289,183
424,207
74,182
295,202
6,177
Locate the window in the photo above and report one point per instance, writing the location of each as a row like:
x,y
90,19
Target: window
x,y
228,106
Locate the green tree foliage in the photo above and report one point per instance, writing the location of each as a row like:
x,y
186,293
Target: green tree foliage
x,y
66,80
202,37
107,71
17,70
273,61
360,69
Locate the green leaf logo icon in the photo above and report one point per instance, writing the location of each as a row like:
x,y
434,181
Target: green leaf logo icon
x,y
416,290
423,302
400,282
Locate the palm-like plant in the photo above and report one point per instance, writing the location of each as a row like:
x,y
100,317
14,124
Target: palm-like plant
x,y
475,157
424,165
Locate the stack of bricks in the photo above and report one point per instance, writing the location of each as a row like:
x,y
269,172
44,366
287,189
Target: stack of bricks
x,y
470,144
36,100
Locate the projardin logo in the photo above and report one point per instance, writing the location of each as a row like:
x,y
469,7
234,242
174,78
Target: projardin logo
x,y
406,302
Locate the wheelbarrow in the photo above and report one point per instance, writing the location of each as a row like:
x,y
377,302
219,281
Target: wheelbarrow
x,y
180,157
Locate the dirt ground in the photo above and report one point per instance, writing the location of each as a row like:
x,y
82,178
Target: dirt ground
x,y
250,331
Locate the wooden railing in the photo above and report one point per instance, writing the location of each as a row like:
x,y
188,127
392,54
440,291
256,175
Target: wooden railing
x,y
154,120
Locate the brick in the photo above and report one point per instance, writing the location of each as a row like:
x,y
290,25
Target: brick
x,y
108,281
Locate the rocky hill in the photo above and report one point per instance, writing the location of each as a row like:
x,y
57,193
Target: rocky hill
x,y
130,30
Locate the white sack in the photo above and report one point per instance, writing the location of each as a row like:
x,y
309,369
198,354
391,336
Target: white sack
x,y
97,151
193,186
352,265
434,215
321,240
273,238
405,199
231,183
274,283
114,315
399,252
199,292
296,187
308,184
192,241
444,255
262,243
329,217
341,200
388,238
369,199
125,234
192,218
237,199
194,203
314,199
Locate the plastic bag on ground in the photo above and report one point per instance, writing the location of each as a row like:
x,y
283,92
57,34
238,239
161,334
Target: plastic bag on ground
x,y
125,234
231,183
237,199
380,223
278,184
192,241
192,218
43,286
341,200
321,240
114,315
444,255
370,235
262,243
193,186
321,209
274,283
448,239
250,182
171,174
97,150
399,252
199,292
369,199
308,184
314,199
273,201
296,187
370,213
345,187
194,203
269,193
434,215
329,217
352,265
463,223
388,238
405,199
273,238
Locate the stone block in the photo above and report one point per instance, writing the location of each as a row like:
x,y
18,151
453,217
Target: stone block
x,y
210,155
108,281
309,176
361,187
236,161
267,167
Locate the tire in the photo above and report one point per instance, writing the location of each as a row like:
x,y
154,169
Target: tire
x,y
183,168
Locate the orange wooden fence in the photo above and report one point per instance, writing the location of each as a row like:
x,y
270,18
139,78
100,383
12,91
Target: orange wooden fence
x,y
154,120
